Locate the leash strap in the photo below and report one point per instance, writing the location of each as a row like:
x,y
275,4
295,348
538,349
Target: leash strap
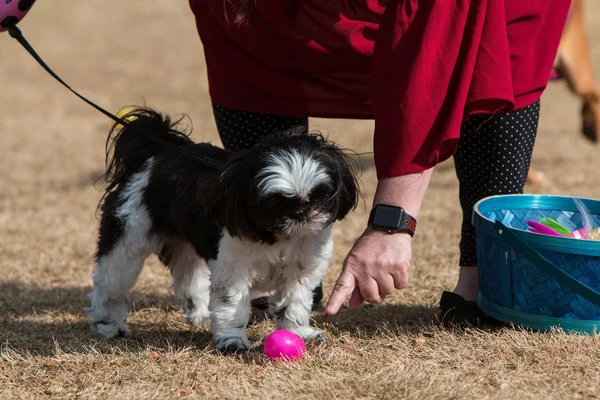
x,y
16,33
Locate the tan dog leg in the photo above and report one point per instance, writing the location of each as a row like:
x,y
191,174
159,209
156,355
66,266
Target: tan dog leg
x,y
574,64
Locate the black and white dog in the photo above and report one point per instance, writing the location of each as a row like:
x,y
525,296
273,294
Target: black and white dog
x,y
262,221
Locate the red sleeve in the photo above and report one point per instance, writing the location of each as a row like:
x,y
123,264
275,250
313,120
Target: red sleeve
x,y
425,60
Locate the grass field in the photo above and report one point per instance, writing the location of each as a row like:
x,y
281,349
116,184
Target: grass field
x,y
52,152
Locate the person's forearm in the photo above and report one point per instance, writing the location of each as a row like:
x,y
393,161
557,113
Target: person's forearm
x,y
405,191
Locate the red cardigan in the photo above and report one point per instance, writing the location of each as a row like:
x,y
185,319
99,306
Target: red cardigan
x,y
418,67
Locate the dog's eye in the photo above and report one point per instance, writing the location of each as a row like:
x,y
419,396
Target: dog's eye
x,y
320,192
274,201
279,201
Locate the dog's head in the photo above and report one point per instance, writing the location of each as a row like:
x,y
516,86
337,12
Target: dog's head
x,y
289,183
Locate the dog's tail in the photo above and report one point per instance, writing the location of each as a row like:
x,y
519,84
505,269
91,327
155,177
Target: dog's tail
x,y
129,147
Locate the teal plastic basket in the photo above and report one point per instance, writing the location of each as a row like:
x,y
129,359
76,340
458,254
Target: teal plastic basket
x,y
537,281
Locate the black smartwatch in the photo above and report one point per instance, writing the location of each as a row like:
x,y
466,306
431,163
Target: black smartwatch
x,y
392,219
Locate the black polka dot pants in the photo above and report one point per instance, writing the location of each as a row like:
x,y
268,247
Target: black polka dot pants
x,y
493,157
240,130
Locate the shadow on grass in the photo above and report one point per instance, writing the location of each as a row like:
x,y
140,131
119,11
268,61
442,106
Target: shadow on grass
x,y
18,299
374,320
35,320
47,339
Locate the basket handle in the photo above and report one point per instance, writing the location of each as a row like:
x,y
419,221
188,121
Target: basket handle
x,y
548,267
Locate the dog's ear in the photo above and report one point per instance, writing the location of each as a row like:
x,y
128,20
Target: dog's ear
x,y
229,201
345,178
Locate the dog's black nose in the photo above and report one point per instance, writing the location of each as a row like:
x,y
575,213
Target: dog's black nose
x,y
299,214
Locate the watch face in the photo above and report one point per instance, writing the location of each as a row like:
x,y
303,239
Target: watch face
x,y
386,217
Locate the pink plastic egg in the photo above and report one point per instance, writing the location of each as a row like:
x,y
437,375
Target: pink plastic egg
x,y
12,11
283,345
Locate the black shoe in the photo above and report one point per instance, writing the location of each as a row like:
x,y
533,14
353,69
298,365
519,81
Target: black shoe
x,y
455,312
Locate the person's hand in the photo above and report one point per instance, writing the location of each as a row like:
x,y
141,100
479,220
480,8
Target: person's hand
x,y
379,261
377,264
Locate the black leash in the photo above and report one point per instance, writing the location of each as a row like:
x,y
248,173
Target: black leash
x,y
17,34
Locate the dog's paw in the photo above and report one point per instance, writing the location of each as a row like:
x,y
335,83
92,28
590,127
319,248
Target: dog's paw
x,y
590,121
316,336
232,344
110,329
310,335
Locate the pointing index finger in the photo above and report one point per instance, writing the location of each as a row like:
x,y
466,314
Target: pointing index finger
x,y
344,286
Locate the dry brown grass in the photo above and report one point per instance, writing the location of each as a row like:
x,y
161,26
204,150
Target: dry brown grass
x,y
51,148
